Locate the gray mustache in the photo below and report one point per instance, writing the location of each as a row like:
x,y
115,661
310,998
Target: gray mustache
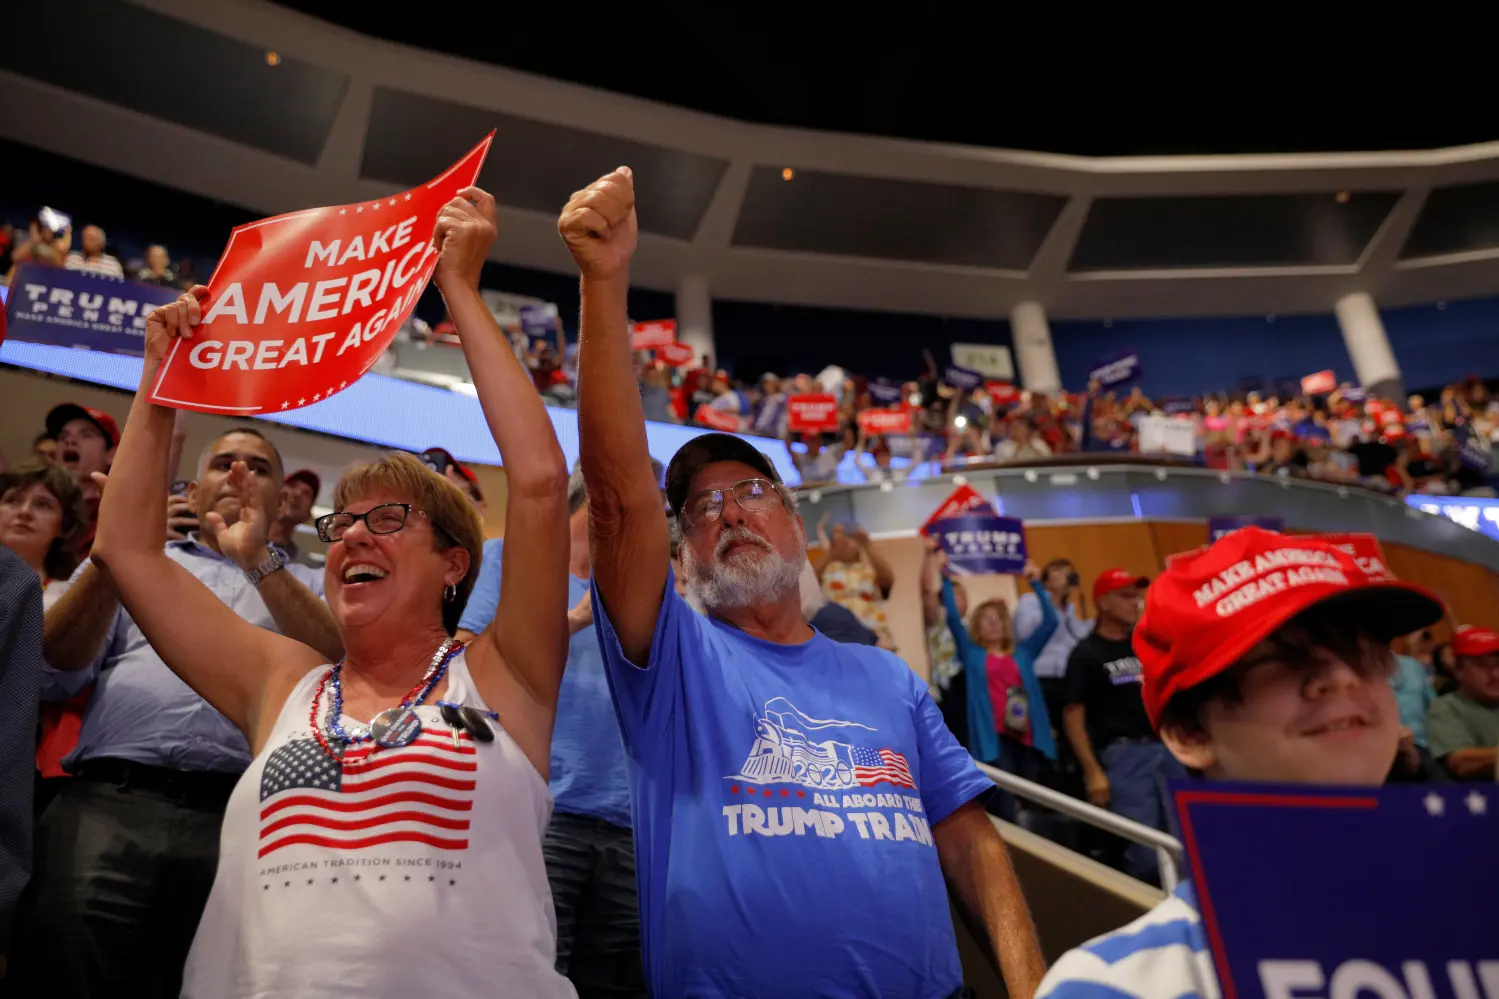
x,y
734,535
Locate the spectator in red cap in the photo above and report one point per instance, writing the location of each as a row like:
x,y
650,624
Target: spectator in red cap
x,y
1265,658
1121,758
443,463
1463,726
298,493
86,438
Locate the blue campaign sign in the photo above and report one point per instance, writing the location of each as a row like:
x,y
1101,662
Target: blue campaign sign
x,y
962,378
75,309
979,542
884,395
539,320
1315,891
1219,526
1117,369
1481,515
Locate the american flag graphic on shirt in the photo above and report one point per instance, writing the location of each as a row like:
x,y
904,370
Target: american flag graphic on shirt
x,y
876,766
418,793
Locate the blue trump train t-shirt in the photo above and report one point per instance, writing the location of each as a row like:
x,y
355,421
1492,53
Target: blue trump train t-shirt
x,y
784,799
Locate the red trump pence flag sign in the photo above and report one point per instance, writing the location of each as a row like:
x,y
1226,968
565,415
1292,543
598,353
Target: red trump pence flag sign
x,y
301,305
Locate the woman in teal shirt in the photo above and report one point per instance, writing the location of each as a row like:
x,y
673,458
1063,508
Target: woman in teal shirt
x,y
1008,725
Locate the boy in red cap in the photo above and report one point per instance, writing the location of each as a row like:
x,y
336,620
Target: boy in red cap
x,y
1265,658
1463,726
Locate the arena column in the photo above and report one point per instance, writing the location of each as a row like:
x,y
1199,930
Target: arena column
x,y
1369,347
1034,354
695,317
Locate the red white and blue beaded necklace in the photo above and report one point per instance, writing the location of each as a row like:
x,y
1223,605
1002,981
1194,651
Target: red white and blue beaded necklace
x,y
391,728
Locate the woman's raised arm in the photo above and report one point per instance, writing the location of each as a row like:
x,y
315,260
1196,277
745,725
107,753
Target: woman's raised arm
x,y
228,661
530,626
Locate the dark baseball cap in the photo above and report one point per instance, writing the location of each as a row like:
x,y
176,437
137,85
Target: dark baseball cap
x,y
62,414
706,449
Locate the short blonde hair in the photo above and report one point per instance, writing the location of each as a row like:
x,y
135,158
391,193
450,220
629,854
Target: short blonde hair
x,y
451,512
1002,609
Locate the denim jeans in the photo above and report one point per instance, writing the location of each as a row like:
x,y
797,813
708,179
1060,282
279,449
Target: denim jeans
x,y
1025,762
591,867
1137,771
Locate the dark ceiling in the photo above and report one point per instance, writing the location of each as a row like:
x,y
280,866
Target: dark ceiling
x,y
948,73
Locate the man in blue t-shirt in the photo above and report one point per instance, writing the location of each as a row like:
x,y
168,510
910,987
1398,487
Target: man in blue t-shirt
x,y
797,801
590,854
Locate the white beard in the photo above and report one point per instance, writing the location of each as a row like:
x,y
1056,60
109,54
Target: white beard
x,y
748,579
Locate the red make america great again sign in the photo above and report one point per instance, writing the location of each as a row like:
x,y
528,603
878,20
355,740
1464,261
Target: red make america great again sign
x,y
301,305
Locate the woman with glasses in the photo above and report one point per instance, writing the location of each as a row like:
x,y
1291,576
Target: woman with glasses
x,y
386,839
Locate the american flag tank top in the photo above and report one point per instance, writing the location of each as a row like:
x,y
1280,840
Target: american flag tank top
x,y
409,870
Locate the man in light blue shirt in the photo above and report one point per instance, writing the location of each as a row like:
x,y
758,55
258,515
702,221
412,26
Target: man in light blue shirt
x,y
589,849
126,851
1414,694
1060,580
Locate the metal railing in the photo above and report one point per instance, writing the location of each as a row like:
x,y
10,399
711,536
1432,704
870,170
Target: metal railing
x,y
1168,848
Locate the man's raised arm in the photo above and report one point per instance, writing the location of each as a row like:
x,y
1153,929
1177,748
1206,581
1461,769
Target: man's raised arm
x,y
627,522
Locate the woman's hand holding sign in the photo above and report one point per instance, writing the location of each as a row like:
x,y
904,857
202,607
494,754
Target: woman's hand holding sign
x,y
465,231
166,323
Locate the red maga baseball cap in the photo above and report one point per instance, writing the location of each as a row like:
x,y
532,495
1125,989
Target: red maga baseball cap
x,y
1212,606
308,476
62,414
1471,641
1116,579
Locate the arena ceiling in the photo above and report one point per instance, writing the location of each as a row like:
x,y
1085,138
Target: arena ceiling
x,y
941,73
272,109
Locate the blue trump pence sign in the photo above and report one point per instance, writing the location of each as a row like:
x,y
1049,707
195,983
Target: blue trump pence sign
x,y
1330,892
978,543
76,309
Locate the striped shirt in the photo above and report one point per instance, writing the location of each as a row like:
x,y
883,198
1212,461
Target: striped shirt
x,y
1162,955
103,265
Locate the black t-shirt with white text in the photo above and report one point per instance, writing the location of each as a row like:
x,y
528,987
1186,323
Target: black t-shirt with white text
x,y
1104,676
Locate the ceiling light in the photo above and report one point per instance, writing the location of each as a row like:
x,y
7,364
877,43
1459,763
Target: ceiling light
x,y
787,173
1341,197
273,58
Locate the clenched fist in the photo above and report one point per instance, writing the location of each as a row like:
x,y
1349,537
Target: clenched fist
x,y
598,225
464,233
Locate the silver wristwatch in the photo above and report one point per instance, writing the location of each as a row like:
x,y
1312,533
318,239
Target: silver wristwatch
x,y
274,562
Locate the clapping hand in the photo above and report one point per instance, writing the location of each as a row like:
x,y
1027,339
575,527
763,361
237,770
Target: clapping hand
x,y
244,541
581,615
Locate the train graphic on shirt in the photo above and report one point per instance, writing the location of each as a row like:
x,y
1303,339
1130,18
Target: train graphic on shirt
x,y
792,747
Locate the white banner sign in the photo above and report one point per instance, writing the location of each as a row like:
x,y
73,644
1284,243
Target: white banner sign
x,y
1162,434
987,359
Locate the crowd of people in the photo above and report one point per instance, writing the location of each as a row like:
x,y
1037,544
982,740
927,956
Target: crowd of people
x,y
1441,446
618,753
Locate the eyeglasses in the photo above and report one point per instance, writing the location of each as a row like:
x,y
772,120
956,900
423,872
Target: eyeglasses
x,y
388,518
752,495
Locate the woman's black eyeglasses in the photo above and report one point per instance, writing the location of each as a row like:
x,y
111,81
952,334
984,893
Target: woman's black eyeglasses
x,y
388,518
